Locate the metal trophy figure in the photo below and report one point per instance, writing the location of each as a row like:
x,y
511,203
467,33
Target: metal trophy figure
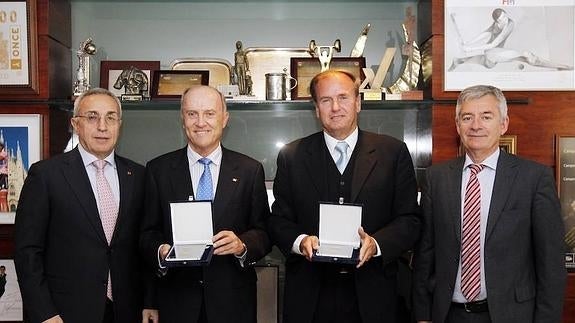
x,y
241,70
87,49
357,50
411,57
135,83
324,53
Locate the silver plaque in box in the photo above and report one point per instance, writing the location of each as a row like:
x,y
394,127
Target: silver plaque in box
x,y
220,69
264,60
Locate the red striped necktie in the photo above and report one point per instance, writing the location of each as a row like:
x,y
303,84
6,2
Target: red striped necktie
x,y
471,237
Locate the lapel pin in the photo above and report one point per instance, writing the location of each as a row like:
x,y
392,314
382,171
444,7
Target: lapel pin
x,y
129,172
234,179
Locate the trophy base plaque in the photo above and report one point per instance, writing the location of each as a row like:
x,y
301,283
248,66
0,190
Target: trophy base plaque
x,y
392,96
372,94
416,95
132,97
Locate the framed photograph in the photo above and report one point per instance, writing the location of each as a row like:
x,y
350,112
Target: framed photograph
x,y
303,69
10,297
565,177
507,143
519,45
18,48
20,147
115,75
170,84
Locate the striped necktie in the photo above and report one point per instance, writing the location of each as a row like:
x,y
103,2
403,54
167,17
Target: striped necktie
x,y
471,237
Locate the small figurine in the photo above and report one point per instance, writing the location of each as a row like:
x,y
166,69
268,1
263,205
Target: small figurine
x,y
241,69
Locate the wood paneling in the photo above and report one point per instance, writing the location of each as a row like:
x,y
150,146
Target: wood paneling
x,y
569,308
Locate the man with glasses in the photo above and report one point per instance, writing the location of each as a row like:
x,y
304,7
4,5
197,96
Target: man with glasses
x,y
77,226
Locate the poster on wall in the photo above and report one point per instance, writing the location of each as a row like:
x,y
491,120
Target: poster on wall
x,y
10,297
516,45
20,147
565,168
14,59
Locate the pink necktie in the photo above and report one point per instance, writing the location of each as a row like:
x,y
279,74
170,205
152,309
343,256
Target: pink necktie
x,y
471,237
108,208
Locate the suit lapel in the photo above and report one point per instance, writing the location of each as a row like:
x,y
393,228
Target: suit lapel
x,y
180,177
76,176
504,177
453,182
315,164
228,181
364,164
126,182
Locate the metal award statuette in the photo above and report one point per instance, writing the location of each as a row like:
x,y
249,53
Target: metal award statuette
x,y
324,53
404,88
135,83
357,50
87,49
242,77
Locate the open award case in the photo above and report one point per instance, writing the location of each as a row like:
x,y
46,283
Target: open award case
x,y
192,233
339,240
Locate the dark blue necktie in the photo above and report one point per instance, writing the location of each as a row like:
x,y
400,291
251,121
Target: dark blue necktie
x,y
205,187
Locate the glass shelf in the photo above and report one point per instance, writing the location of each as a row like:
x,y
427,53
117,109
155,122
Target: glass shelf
x,y
260,128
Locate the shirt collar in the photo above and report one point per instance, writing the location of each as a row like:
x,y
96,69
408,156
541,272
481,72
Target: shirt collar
x,y
490,161
351,140
88,158
215,156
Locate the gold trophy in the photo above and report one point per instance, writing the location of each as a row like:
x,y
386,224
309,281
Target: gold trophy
x,y
87,49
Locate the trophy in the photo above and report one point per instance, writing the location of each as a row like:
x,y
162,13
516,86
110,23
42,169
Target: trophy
x,y
405,86
324,53
242,75
87,49
135,83
357,50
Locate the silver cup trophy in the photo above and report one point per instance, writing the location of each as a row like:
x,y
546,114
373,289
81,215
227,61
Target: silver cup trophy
x,y
87,48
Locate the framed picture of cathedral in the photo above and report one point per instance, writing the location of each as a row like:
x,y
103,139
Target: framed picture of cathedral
x,y
20,147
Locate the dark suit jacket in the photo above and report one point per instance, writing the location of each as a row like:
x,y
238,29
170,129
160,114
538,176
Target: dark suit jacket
x,y
62,256
524,261
240,205
383,181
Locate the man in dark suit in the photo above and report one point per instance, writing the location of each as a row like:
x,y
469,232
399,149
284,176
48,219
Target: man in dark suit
x,y
77,227
492,244
379,175
225,290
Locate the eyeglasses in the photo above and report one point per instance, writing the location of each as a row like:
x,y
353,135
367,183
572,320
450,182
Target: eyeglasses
x,y
93,118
